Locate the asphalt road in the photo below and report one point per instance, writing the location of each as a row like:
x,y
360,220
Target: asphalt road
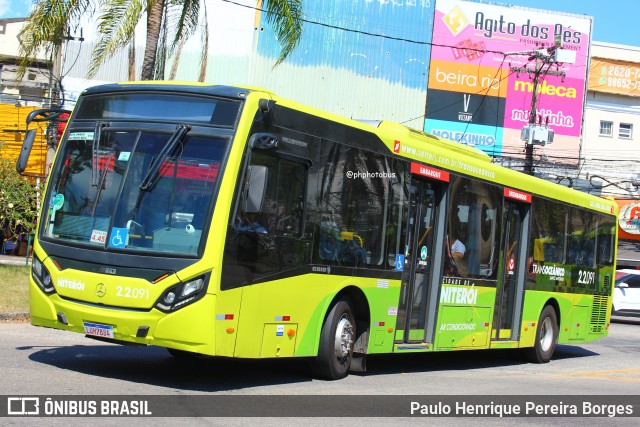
x,y
42,361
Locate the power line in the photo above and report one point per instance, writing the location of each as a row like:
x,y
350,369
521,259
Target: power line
x,y
366,33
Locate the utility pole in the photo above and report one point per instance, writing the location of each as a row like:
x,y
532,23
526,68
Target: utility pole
x,y
54,84
55,97
539,134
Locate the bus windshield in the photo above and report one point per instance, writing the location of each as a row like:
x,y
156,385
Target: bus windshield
x,y
134,189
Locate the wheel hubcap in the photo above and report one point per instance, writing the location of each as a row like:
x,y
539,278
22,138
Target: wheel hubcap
x,y
546,334
343,338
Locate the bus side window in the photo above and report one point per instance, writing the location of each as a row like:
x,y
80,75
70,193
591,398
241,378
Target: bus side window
x,y
474,223
605,240
268,236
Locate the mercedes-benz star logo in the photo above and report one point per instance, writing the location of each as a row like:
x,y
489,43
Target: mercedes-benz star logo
x,y
101,290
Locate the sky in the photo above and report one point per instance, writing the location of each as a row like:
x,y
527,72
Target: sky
x,y
614,21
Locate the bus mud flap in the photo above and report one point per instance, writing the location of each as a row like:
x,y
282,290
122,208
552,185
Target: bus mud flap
x,y
359,356
358,362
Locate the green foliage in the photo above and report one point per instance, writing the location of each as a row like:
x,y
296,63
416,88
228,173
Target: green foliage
x,y
116,20
18,199
286,17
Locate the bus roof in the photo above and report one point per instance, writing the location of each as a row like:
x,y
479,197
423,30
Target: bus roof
x,y
236,92
400,140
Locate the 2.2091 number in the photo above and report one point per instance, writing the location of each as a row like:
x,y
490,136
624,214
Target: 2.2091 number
x,y
129,292
586,277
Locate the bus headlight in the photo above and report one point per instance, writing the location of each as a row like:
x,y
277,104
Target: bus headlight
x,y
41,276
183,294
170,298
192,286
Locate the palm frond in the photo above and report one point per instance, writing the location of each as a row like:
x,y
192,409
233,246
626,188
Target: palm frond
x,y
187,23
286,18
47,26
176,61
116,27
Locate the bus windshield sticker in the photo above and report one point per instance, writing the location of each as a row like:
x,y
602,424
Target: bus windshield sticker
x,y
58,201
400,262
81,136
124,156
119,237
98,236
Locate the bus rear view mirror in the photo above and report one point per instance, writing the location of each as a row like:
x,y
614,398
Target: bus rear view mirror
x,y
257,186
21,165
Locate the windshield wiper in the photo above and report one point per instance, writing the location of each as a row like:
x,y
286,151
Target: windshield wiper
x,y
154,169
97,134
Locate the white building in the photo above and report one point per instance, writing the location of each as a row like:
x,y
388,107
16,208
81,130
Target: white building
x,y
611,130
32,88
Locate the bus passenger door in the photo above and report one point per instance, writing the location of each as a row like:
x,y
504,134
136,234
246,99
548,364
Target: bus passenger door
x,y
416,309
510,285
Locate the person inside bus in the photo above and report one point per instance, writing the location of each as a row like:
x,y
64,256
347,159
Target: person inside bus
x,y
450,265
458,252
458,249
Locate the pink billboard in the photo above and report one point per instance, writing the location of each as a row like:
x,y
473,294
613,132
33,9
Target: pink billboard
x,y
486,50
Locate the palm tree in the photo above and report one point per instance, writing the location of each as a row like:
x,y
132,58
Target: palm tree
x,y
117,20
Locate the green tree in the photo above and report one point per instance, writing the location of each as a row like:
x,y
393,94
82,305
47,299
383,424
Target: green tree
x,y
18,199
49,21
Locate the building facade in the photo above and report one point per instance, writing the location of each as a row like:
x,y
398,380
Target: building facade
x,y
610,151
20,96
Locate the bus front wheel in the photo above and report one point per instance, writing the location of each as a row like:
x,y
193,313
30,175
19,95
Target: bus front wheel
x,y
546,337
336,343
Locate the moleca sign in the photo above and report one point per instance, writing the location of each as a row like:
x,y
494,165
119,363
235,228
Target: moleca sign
x,y
629,218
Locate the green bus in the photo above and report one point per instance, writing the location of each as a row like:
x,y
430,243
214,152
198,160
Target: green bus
x,y
227,221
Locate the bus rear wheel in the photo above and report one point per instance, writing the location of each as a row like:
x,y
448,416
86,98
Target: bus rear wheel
x,y
546,337
336,343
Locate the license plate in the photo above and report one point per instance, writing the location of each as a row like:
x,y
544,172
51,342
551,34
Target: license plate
x,y
97,330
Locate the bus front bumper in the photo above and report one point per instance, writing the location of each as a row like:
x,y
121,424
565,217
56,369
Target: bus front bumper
x,y
190,328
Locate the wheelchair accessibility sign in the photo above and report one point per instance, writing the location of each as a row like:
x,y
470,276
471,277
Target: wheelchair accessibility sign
x,y
399,262
119,237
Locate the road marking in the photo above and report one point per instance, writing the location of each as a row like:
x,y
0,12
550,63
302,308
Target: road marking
x,y
628,374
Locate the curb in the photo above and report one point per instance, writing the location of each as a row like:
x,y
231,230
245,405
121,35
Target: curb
x,y
17,262
15,317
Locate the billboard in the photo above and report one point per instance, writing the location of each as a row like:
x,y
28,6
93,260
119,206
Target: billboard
x,y
629,219
617,77
476,96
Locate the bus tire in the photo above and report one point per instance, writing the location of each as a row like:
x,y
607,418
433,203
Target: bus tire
x,y
546,337
336,343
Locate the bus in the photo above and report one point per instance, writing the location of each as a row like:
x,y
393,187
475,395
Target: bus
x,y
227,221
